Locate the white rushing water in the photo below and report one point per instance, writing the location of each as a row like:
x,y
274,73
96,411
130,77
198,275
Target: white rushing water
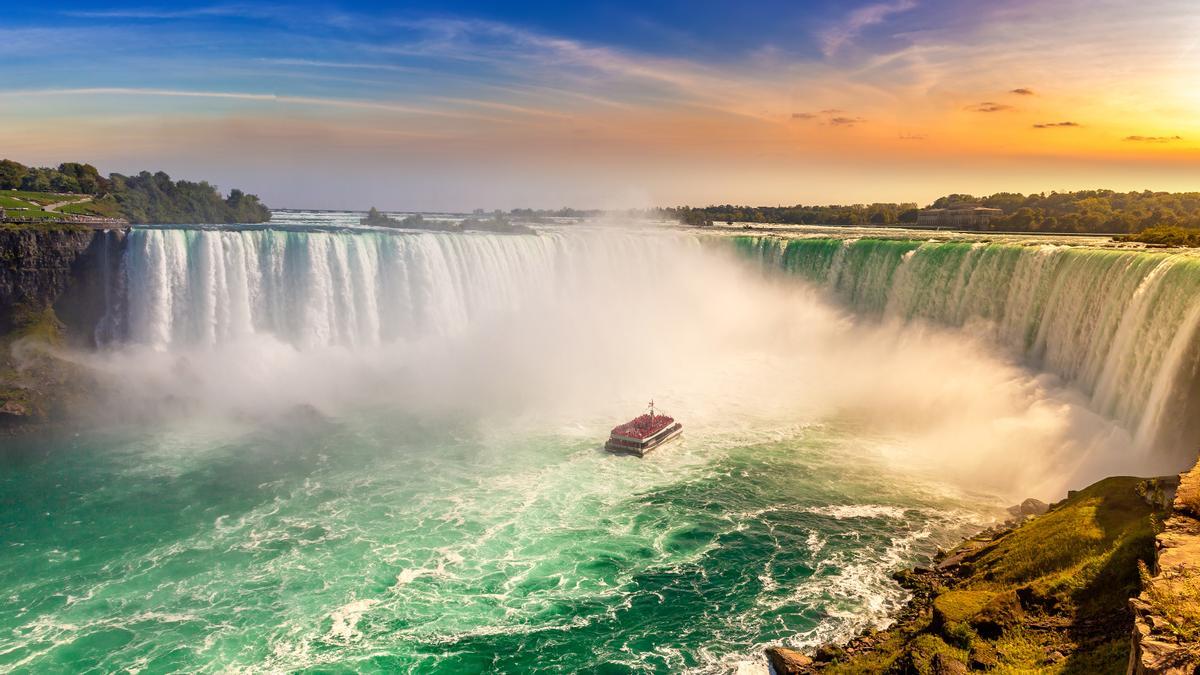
x,y
188,287
1119,325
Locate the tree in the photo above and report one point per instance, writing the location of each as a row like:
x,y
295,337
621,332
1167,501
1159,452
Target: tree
x,y
11,174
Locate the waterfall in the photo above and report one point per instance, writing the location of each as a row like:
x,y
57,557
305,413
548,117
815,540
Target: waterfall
x,y
205,287
1119,325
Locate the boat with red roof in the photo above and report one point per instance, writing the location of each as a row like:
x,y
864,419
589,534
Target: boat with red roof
x,y
643,433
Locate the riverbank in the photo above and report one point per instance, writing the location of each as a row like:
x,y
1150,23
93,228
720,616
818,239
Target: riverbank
x,y
1051,593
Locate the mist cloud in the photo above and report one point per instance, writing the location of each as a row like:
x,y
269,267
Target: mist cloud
x,y
735,355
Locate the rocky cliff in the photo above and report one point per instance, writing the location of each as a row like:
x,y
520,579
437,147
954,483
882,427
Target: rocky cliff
x,y
57,286
68,269
1166,631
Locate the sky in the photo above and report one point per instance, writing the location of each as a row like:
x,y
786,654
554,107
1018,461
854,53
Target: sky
x,y
459,105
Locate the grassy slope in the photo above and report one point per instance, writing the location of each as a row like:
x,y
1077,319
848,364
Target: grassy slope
x,y
30,203
1049,596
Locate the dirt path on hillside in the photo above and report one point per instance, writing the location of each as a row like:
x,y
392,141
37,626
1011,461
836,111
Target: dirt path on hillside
x,y
57,205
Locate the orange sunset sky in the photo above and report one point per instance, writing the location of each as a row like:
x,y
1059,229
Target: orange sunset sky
x,y
455,106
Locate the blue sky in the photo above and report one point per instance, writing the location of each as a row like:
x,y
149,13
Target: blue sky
x,y
462,104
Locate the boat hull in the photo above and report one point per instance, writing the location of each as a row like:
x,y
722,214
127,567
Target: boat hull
x,y
642,448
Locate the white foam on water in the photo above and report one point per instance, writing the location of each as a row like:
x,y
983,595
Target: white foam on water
x,y
345,620
846,511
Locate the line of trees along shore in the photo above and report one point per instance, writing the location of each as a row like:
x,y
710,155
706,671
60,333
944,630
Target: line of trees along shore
x,y
144,198
1084,211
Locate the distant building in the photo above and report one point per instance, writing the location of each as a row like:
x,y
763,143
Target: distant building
x,y
957,216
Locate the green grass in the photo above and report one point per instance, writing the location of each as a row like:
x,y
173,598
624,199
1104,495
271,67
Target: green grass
x,y
105,208
35,215
957,606
27,206
8,202
1177,600
1083,554
39,198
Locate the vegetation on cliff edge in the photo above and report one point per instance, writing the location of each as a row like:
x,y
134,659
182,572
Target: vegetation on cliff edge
x,y
1083,211
1050,595
143,198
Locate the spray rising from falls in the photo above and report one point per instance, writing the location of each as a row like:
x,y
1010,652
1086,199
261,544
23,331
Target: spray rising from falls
x,y
577,325
1119,325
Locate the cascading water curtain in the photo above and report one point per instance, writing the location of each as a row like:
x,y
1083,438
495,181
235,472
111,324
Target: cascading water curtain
x,y
1119,325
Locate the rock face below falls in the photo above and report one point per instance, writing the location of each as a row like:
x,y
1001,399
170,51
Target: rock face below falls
x,y
67,269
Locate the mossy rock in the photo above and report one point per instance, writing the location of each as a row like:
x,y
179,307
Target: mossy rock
x,y
1002,613
830,653
954,607
982,656
37,324
930,655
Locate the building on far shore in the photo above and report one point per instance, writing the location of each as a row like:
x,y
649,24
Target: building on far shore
x,y
957,217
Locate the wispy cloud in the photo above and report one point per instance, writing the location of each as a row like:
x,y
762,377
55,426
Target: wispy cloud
x,y
358,104
1022,91
311,63
1154,139
834,117
989,107
1056,125
151,13
835,37
846,121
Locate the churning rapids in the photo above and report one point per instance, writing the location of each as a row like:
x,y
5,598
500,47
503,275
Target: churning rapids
x,y
378,451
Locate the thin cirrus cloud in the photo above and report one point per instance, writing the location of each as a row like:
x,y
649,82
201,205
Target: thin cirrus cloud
x,y
843,121
835,37
359,104
1057,125
342,65
834,117
1022,91
216,11
990,107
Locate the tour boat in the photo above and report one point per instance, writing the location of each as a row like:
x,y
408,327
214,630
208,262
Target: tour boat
x,y
643,433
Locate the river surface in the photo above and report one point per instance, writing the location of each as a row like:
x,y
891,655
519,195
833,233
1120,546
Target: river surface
x,y
371,543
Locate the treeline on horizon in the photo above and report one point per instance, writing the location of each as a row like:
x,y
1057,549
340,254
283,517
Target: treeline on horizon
x,y
1085,211
144,198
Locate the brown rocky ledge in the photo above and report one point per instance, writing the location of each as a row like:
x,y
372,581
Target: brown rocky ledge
x,y
1166,629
